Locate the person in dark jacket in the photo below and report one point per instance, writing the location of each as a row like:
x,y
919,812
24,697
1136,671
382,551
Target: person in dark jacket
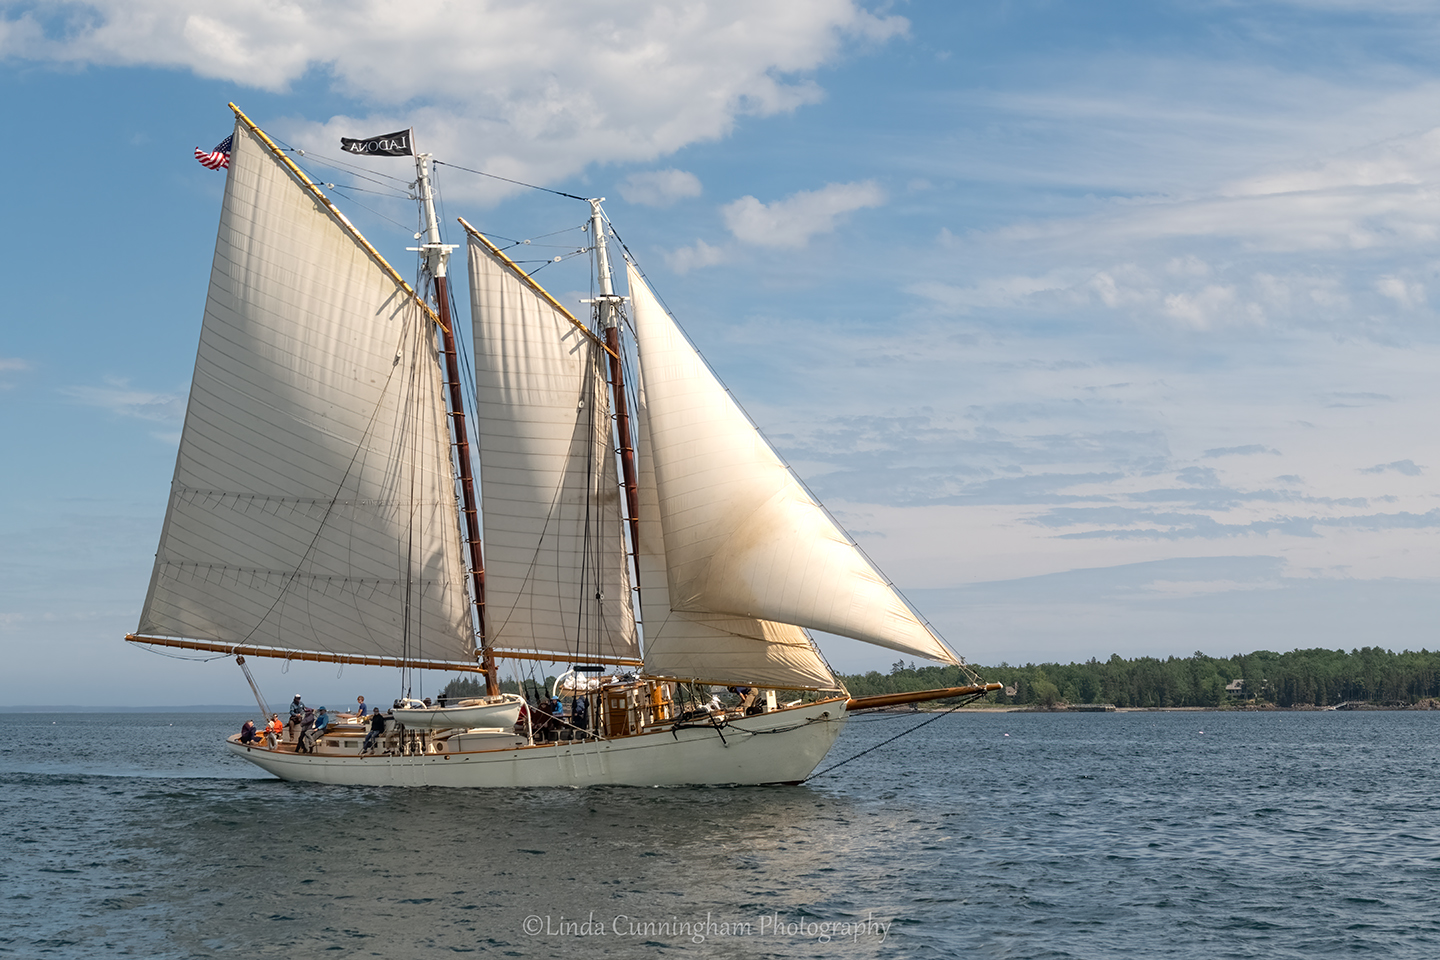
x,y
305,738
377,727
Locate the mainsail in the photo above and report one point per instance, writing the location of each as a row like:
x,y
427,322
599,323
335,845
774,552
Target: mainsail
x,y
742,538
313,505
555,574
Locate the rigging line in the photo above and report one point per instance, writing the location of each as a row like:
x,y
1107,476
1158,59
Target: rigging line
x,y
176,656
902,733
392,194
531,240
370,209
362,173
518,183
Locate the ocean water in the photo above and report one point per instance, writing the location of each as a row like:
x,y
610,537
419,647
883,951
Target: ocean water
x,y
1142,835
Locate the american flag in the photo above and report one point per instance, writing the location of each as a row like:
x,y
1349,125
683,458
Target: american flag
x,y
217,159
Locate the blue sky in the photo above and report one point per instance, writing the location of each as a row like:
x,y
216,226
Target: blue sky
x,y
1105,327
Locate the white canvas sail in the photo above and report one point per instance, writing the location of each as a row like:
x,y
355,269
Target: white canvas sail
x,y
555,573
313,505
742,537
707,647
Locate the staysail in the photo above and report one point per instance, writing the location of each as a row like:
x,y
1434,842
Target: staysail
x,y
742,538
555,574
709,647
313,504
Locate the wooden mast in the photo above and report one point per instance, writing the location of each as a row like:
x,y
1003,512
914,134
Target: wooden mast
x,y
437,256
608,306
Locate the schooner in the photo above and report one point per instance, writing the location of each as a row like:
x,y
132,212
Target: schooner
x,y
323,508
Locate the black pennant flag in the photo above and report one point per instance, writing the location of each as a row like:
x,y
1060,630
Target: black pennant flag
x,y
389,145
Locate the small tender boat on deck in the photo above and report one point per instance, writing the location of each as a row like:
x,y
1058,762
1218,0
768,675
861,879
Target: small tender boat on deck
x,y
501,711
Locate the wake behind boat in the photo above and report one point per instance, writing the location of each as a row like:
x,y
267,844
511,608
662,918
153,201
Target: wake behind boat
x,y
324,508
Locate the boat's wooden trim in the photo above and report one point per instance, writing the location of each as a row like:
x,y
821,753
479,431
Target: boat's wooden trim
x,y
529,282
918,696
235,649
565,658
335,212
722,682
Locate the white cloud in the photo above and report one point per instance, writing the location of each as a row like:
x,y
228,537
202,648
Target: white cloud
x,y
791,222
1408,295
1407,467
660,188
528,90
990,291
690,258
1213,306
118,397
11,364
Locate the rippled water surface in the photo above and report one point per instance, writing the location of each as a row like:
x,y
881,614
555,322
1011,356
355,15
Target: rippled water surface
x,y
998,835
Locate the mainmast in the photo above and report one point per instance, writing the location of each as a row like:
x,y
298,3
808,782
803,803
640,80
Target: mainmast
x,y
608,310
437,258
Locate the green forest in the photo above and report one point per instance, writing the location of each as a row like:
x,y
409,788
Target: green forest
x,y
1316,677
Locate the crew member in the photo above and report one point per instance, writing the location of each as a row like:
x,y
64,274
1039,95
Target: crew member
x,y
297,717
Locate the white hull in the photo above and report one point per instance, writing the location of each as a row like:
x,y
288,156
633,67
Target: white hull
x,y
502,712
783,746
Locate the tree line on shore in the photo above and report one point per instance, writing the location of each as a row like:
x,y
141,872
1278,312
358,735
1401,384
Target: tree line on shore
x,y
1314,677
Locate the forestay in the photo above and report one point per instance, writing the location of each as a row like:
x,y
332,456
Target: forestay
x,y
742,538
313,505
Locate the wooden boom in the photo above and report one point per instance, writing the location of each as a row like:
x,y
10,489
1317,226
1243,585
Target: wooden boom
x,y
240,649
919,696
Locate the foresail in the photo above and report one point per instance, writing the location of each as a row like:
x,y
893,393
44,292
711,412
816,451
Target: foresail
x,y
555,572
313,505
710,647
741,535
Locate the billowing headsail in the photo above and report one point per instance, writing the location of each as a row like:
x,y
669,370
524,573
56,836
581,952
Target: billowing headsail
x,y
313,505
742,537
708,647
555,573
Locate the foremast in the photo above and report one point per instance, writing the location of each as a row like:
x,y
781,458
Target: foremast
x,y
437,259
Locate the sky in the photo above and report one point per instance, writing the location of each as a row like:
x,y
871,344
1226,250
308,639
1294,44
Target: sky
x,y
1104,327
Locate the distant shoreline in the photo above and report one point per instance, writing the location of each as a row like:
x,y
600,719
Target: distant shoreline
x,y
1347,707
